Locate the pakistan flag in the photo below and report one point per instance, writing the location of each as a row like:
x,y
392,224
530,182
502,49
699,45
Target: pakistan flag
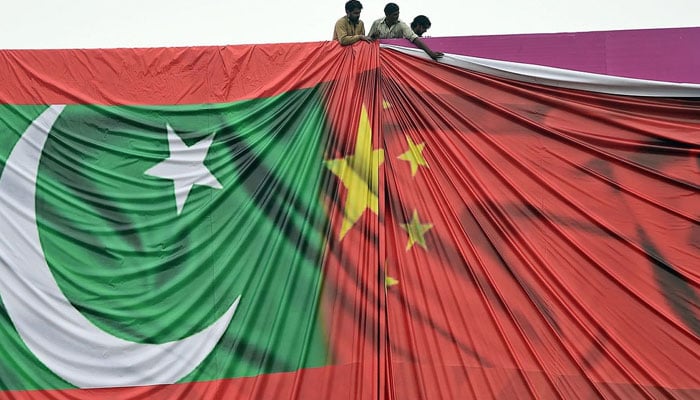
x,y
147,245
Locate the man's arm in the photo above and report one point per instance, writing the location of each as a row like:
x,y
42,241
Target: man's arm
x,y
410,35
421,45
374,30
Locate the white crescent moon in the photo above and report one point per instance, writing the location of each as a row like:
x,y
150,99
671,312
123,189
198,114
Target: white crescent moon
x,y
58,334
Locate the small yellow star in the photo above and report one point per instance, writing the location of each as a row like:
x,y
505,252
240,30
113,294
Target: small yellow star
x,y
389,281
414,155
360,175
416,232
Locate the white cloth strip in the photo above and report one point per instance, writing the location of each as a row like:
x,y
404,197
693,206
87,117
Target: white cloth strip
x,y
563,78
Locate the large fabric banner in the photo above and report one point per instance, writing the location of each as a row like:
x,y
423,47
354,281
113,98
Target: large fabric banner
x,y
310,221
545,241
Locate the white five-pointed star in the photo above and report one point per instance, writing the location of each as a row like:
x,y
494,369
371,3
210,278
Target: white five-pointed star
x,y
185,167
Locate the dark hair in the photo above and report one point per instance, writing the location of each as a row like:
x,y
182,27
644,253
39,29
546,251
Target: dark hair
x,y
420,20
352,5
390,8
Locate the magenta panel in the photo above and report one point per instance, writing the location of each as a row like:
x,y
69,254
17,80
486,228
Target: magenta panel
x,y
671,55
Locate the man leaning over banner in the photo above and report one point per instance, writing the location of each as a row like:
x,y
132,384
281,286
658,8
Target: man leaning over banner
x,y
420,25
350,28
390,27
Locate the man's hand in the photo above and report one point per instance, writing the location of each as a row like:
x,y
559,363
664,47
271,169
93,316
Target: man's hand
x,y
432,54
435,55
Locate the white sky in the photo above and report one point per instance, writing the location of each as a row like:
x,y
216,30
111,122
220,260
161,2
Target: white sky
x,y
156,23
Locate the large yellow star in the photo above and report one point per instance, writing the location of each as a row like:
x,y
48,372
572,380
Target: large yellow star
x,y
359,173
416,232
414,155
